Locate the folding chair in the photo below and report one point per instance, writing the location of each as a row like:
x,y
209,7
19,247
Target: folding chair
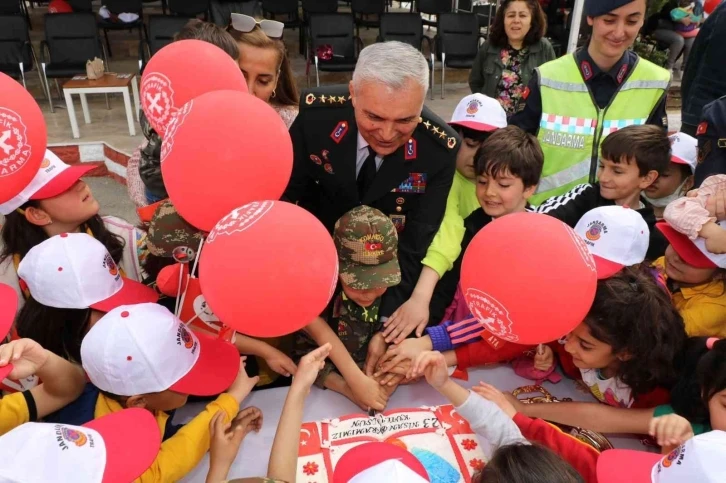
x,y
71,39
189,8
338,31
433,8
312,7
363,10
162,29
16,52
457,39
117,7
408,28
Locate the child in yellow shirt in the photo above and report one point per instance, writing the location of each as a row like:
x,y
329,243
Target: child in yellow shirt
x,y
696,279
62,381
142,356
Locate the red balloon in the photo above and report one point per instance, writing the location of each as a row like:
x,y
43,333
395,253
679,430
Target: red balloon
x,y
710,5
528,278
168,279
224,150
268,268
182,71
23,138
59,6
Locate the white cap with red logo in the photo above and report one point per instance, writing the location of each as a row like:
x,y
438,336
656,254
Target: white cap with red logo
x,y
144,348
75,271
479,113
684,150
616,236
700,459
53,178
116,448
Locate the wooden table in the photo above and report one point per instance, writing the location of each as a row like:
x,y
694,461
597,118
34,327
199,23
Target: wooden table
x,y
109,83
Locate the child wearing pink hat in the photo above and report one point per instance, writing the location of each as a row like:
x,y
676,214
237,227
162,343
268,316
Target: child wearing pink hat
x,y
695,276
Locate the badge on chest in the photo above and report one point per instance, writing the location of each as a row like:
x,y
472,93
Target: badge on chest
x,y
415,183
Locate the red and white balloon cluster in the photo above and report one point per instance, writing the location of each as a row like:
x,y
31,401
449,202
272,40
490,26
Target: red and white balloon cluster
x,y
267,267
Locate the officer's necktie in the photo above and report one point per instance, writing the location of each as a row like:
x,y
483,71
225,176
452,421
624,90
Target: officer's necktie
x,y
367,174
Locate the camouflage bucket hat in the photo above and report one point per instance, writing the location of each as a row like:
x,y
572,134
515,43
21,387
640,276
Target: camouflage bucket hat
x,y
367,244
168,230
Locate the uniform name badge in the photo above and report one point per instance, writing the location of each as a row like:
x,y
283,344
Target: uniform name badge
x,y
399,221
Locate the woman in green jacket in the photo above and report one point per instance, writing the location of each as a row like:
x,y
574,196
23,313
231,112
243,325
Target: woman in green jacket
x,y
516,46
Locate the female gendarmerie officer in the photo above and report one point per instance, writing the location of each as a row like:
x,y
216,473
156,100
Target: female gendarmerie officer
x,y
574,102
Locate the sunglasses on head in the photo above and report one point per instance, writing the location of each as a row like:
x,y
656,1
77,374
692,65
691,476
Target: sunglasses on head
x,y
245,24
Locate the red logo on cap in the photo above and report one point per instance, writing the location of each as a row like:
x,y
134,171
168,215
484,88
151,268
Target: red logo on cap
x,y
72,436
45,163
672,456
110,265
595,230
473,107
14,150
183,337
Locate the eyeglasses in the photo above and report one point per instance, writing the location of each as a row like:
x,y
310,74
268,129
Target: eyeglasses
x,y
245,24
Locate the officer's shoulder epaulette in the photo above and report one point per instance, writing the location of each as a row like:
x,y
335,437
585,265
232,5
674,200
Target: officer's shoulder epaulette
x,y
440,131
328,96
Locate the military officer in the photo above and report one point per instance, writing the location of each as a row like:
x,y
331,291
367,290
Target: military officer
x,y
374,143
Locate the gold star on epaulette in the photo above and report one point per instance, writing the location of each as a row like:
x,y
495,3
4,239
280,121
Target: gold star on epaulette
x,y
341,99
322,98
427,124
436,130
442,134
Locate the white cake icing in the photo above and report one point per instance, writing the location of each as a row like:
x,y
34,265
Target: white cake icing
x,y
440,438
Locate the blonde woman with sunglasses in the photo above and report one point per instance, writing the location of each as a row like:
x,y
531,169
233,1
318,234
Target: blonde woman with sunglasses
x,y
264,63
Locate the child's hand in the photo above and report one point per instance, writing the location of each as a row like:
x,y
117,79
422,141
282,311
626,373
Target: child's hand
x,y
396,375
243,384
225,439
376,348
506,402
670,430
309,367
412,315
544,358
26,356
433,366
280,363
408,349
368,393
715,237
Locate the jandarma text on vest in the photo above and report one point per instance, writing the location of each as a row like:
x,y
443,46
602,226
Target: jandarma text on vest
x,y
573,141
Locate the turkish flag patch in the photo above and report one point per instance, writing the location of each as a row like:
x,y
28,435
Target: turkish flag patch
x,y
702,128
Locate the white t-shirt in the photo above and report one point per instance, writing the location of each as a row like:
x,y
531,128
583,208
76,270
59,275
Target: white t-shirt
x,y
609,391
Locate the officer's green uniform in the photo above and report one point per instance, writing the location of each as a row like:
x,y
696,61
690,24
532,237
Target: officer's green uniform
x,y
411,186
366,241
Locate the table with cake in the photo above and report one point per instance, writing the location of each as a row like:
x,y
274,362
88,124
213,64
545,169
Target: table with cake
x,y
417,418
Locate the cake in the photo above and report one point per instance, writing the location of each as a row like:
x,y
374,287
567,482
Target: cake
x,y
441,439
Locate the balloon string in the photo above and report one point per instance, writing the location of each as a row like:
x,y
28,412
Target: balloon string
x,y
194,269
178,290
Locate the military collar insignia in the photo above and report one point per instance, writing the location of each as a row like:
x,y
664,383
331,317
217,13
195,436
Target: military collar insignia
x,y
339,132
